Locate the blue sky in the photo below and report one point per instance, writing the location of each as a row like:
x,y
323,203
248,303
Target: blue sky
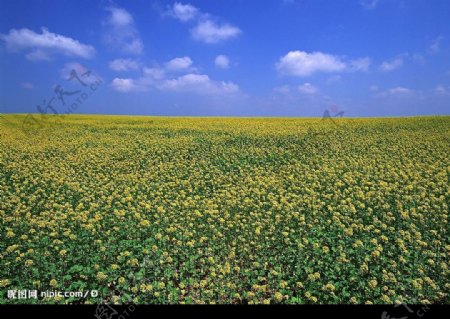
x,y
226,57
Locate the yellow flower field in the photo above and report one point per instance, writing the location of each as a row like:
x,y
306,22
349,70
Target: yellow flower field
x,y
226,210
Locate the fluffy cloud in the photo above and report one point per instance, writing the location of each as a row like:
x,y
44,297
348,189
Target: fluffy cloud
x,y
209,31
442,90
122,33
398,91
391,65
42,46
85,75
154,73
304,89
206,30
124,85
284,89
121,65
369,4
162,78
307,88
300,63
435,45
198,83
362,64
183,12
222,61
178,64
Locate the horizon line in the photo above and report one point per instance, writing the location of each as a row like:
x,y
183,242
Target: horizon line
x,y
233,116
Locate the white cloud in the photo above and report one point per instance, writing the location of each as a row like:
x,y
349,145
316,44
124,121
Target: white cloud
x,y
154,73
222,61
122,33
400,90
66,71
300,63
42,46
27,85
391,65
84,74
158,78
397,92
304,89
124,85
121,65
373,88
210,32
442,90
435,46
38,55
179,64
120,17
334,79
362,64
183,12
284,89
199,83
369,4
418,57
206,30
307,88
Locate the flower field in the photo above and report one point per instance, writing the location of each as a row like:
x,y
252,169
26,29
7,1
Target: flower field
x,y
226,210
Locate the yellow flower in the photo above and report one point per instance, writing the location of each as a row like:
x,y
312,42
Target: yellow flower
x,y
160,209
364,269
63,252
28,263
373,283
386,299
375,254
101,276
4,282
329,287
53,283
121,281
11,248
144,223
133,262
